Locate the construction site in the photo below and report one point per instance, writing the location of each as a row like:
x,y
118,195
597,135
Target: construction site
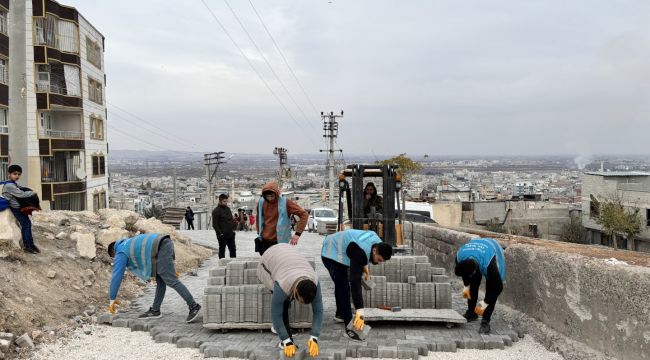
x,y
571,301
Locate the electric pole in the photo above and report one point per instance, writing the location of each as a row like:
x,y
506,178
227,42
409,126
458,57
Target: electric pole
x,y
331,131
211,162
281,153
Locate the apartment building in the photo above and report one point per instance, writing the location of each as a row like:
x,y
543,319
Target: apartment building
x,y
57,119
4,89
632,188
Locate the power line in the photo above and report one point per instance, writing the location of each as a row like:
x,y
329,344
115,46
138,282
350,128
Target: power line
x,y
250,37
255,70
283,57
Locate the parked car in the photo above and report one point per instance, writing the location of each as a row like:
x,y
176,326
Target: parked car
x,y
418,218
321,215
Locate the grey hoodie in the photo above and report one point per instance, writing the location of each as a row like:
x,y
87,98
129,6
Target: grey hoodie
x,y
11,192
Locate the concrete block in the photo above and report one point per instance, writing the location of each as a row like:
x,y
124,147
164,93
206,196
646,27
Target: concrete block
x,y
212,290
106,318
212,311
140,325
250,277
423,272
230,304
404,260
407,269
4,346
363,333
439,278
393,294
121,322
248,301
218,271
378,296
443,296
264,307
235,273
407,353
392,271
428,299
188,342
217,281
377,270
387,352
492,342
421,259
438,271
215,351
370,351
167,338
251,265
224,261
405,299
24,341
446,346
411,280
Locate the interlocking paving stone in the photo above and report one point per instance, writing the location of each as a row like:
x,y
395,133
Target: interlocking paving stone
x,y
263,344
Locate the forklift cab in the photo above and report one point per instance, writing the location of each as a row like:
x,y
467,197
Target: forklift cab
x,y
353,190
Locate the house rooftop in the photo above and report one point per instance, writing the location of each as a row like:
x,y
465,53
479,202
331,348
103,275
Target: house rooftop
x,y
618,173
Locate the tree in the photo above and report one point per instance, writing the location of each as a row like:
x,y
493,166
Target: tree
x,y
619,220
573,232
406,165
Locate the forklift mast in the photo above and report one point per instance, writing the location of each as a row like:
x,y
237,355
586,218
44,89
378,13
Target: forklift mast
x,y
355,196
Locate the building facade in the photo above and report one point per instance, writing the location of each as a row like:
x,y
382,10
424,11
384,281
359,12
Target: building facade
x,y
632,188
57,117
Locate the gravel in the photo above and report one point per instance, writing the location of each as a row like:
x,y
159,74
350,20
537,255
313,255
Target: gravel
x,y
108,343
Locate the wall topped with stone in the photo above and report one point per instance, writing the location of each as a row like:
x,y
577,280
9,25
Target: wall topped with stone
x,y
600,303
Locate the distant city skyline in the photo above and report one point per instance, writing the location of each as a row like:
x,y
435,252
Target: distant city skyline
x,y
439,78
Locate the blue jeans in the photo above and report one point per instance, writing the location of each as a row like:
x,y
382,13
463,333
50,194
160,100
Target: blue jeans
x,y
25,227
166,275
339,274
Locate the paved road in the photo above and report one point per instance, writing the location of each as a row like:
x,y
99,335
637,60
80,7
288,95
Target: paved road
x,y
404,340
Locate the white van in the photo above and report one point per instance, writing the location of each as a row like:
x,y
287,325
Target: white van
x,y
324,215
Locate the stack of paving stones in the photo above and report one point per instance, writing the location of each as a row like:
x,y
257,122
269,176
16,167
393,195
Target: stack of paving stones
x,y
410,283
394,340
235,299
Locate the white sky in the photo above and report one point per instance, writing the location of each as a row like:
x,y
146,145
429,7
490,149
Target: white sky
x,y
422,77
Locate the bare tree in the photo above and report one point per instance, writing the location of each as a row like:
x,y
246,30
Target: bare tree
x,y
619,220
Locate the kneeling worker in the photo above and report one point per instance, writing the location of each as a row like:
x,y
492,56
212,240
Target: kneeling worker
x,y
285,272
352,250
148,256
478,258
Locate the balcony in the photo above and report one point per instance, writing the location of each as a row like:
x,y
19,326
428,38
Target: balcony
x,y
61,167
4,129
60,125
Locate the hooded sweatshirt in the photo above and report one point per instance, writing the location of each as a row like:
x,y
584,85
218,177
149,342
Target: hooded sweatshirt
x,y
270,209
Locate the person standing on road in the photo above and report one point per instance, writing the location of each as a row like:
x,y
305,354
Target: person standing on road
x,y
273,223
189,218
251,220
350,251
148,256
286,272
478,258
222,222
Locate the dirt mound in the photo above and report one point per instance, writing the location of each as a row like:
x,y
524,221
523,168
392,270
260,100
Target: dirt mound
x,y
67,284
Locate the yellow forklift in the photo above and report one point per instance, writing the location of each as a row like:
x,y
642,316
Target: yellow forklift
x,y
387,225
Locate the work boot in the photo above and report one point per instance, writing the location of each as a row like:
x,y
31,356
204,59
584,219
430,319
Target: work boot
x,y
37,250
194,313
150,314
338,319
30,250
485,328
470,316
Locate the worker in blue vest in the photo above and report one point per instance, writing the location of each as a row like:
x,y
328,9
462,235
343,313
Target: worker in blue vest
x,y
148,256
474,260
351,250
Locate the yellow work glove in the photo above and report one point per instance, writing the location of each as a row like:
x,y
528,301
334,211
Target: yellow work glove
x,y
312,344
466,294
480,308
366,273
358,322
178,275
112,307
289,347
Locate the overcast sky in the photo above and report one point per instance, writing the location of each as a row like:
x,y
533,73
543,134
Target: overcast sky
x,y
421,77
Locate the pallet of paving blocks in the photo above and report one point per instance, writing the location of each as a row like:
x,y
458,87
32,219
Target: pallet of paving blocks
x,y
235,299
408,282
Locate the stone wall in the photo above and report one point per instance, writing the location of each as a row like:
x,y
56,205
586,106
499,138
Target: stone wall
x,y
600,303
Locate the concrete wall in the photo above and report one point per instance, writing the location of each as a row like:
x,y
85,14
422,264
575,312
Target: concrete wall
x,y
447,213
592,301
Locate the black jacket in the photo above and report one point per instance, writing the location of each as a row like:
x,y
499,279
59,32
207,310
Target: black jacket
x,y
222,220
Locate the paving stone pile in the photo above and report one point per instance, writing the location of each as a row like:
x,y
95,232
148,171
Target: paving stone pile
x,y
235,299
410,283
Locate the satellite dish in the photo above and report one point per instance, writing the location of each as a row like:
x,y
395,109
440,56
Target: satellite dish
x,y
81,173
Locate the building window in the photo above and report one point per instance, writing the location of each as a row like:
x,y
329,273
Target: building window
x,y
56,33
4,164
4,127
99,165
99,200
96,128
647,217
3,21
95,91
4,72
93,52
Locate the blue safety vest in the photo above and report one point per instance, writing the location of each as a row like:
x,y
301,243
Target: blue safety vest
x,y
483,251
4,203
141,253
336,245
283,227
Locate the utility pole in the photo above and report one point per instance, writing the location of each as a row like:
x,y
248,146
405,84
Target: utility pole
x,y
331,131
211,162
174,187
281,153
